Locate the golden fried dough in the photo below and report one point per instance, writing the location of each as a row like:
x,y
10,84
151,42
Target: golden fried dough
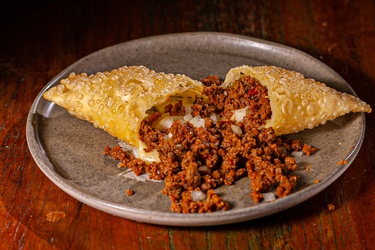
x,y
298,103
117,101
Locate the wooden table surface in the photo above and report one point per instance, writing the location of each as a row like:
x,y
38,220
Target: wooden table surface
x,y
41,38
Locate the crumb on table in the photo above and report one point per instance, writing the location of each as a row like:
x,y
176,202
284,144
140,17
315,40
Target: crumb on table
x,y
342,162
129,192
331,207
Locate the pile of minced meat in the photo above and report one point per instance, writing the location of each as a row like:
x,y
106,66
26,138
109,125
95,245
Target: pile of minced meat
x,y
215,142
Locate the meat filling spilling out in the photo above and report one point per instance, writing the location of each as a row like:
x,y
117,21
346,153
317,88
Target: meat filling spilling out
x,y
212,142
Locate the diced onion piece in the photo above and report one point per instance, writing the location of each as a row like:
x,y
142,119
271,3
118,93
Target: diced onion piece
x,y
135,152
198,122
214,118
203,168
236,129
297,153
166,122
198,195
125,146
168,136
188,109
269,196
129,174
239,114
188,117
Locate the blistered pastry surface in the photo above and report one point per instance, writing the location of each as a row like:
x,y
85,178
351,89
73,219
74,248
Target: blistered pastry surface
x,y
117,101
298,103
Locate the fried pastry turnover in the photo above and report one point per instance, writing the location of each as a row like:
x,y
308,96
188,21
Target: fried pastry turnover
x,y
298,103
117,101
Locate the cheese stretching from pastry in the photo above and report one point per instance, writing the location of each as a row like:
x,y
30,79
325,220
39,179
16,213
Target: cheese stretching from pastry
x,y
298,103
118,101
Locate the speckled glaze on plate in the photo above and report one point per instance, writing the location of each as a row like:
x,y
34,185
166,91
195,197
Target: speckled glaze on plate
x,y
70,151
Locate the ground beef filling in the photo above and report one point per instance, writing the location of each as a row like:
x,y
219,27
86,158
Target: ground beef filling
x,y
196,160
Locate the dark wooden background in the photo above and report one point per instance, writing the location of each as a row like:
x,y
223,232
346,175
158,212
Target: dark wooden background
x,y
38,39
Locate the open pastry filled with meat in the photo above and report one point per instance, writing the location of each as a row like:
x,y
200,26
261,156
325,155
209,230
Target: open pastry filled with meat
x,y
198,135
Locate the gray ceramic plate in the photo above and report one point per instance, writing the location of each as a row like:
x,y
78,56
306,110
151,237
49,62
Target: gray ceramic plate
x,y
70,151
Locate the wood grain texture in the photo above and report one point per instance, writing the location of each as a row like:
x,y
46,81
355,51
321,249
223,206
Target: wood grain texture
x,y
41,38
